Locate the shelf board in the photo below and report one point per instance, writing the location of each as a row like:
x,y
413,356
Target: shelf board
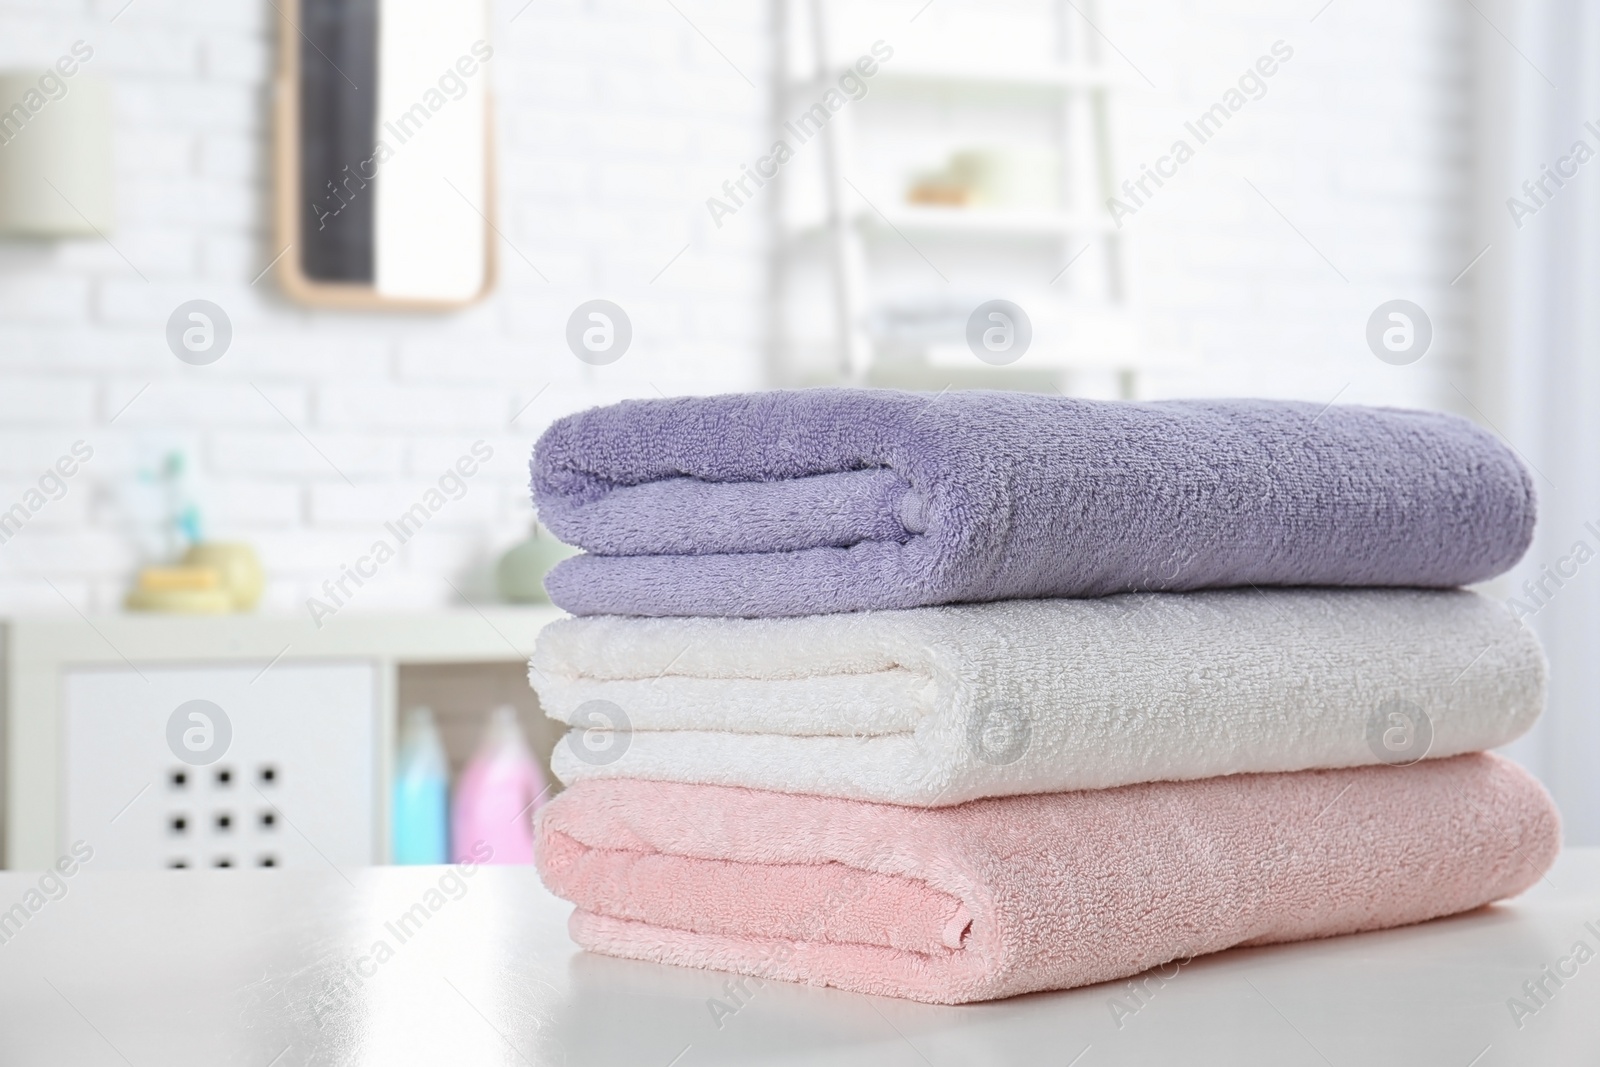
x,y
975,222
985,221
1052,78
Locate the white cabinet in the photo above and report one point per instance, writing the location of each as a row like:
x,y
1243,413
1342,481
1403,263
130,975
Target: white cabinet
x,y
86,704
222,766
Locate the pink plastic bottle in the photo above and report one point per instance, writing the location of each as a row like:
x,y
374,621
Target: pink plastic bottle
x,y
498,793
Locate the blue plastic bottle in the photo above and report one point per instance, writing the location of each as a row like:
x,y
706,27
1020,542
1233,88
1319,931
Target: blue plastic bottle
x,y
420,819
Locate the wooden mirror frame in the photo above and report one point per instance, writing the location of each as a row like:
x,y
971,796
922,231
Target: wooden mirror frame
x,y
351,296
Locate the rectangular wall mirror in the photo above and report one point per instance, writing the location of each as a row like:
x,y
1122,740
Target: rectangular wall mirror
x,y
384,153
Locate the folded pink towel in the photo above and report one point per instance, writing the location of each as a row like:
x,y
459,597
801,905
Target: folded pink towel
x,y
1014,894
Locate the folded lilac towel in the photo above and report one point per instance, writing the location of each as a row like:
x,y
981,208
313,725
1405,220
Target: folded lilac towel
x,y
828,500
1016,894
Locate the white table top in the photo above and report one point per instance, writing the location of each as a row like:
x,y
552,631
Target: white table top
x,y
256,968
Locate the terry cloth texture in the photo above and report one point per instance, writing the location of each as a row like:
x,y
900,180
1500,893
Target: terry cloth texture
x,y
1015,894
830,500
942,705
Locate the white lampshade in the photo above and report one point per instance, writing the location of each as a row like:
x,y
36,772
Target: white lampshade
x,y
55,154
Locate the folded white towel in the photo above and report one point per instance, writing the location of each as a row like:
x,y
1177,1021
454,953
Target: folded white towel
x,y
936,706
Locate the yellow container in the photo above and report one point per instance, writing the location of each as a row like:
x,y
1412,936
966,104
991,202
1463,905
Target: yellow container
x,y
236,562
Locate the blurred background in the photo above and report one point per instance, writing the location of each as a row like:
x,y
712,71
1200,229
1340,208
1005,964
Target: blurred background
x,y
284,282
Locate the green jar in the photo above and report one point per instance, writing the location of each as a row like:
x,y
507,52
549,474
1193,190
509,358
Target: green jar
x,y
520,573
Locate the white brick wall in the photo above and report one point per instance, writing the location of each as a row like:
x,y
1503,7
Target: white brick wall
x,y
613,118
616,120
1363,141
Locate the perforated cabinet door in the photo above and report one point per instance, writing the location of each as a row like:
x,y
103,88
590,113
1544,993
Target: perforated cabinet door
x,y
222,766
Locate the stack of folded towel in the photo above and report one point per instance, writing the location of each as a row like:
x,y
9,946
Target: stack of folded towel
x,y
959,697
